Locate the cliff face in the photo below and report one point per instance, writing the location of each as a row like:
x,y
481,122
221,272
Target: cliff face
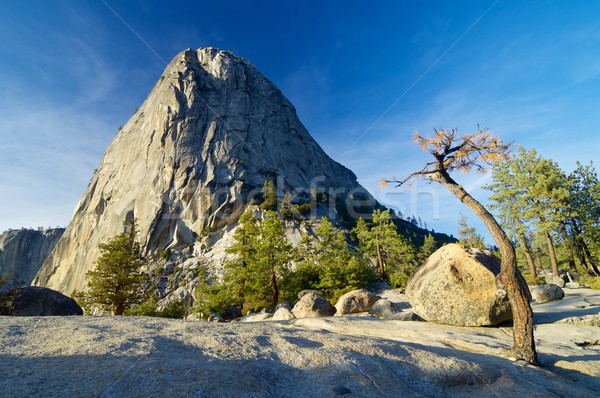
x,y
22,253
198,150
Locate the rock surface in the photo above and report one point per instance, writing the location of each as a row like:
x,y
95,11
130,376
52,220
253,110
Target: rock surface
x,y
587,320
312,305
37,301
356,301
456,286
22,252
315,357
211,132
545,293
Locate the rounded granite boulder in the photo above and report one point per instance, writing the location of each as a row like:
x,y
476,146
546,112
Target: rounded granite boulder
x,y
456,286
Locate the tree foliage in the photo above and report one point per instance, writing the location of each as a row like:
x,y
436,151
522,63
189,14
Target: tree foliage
x,y
536,200
269,196
253,276
379,240
327,264
117,282
430,245
468,235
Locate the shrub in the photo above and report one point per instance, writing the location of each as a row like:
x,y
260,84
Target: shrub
x,y
164,254
174,309
398,279
531,280
591,281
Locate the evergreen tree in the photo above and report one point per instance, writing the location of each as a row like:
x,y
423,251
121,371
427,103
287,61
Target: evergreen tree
x,y
509,199
273,256
531,189
237,269
285,207
269,196
428,248
380,240
116,283
584,221
468,236
254,275
326,263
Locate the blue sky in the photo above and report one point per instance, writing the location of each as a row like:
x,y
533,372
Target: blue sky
x,y
362,75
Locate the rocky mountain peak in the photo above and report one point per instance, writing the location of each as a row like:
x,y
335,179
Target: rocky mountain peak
x,y
197,151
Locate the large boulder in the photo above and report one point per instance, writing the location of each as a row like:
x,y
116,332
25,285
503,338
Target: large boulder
x,y
355,301
312,305
545,293
37,301
456,286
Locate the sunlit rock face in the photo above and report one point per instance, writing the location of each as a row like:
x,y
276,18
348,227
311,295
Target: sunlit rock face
x,y
22,252
194,155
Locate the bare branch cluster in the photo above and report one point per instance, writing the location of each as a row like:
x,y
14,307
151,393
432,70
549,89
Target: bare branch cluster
x,y
465,153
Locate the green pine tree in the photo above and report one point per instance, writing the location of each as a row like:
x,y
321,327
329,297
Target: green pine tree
x,y
394,255
428,248
468,235
269,196
584,220
339,269
117,282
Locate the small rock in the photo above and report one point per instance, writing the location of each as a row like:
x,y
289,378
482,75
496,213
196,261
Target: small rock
x,y
355,301
549,292
385,309
406,316
572,285
215,318
283,314
552,279
312,305
37,301
379,287
256,317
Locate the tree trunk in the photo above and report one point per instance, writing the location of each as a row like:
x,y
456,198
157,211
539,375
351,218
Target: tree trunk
x,y
380,262
118,308
274,289
586,250
528,255
523,340
580,253
552,254
569,246
583,249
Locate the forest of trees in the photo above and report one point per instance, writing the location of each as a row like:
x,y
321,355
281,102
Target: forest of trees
x,y
553,217
265,269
